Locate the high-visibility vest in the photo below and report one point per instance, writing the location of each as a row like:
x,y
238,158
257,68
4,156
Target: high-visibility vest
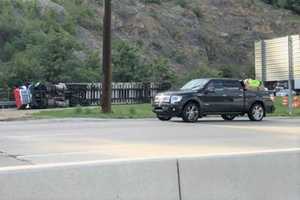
x,y
254,83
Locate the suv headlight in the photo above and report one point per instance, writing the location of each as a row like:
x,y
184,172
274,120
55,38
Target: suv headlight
x,y
175,99
161,98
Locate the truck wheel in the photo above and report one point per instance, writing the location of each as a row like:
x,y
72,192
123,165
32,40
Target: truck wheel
x,y
228,117
256,112
191,112
164,118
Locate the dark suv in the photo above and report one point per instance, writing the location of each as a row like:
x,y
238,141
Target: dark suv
x,y
201,97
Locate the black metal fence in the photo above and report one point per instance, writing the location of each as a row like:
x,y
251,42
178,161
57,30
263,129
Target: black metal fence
x,y
122,93
5,94
6,98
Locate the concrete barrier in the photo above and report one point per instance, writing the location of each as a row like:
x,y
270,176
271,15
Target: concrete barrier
x,y
135,180
262,176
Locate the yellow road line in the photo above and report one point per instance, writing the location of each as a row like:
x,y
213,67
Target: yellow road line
x,y
124,149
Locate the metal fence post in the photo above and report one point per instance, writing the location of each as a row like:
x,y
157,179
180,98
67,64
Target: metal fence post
x,y
263,61
291,68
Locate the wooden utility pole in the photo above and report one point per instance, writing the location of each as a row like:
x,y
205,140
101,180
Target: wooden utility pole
x,y
107,68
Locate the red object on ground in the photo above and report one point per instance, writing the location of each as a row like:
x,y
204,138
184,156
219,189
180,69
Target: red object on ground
x,y
18,99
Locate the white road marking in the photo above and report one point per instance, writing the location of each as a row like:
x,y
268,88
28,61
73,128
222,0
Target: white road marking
x,y
60,154
113,161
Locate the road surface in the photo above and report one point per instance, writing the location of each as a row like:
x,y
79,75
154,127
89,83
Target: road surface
x,y
75,140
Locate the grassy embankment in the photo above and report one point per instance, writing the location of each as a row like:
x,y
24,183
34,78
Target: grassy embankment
x,y
130,112
119,112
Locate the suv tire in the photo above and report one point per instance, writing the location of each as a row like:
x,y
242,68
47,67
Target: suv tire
x,y
256,112
191,112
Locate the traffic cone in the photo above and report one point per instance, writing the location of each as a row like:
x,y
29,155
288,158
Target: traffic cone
x,y
296,102
285,101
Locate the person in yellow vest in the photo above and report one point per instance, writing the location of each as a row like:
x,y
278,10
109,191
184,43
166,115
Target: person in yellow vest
x,y
251,84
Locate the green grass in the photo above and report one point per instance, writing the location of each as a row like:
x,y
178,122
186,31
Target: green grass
x,y
119,112
137,111
283,110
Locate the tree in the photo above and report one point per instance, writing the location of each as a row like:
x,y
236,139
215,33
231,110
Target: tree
x,y
39,47
160,71
57,57
127,64
288,4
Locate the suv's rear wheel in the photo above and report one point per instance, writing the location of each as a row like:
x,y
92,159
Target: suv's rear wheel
x,y
191,112
256,112
164,118
228,117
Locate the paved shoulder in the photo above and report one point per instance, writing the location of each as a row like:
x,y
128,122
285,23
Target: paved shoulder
x,y
75,140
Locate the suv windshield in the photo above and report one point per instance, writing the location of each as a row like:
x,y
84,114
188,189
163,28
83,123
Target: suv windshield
x,y
195,84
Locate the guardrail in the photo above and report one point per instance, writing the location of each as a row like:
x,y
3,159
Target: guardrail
x,y
260,176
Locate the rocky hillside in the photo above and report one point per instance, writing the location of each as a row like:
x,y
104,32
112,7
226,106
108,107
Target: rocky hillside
x,y
192,36
195,33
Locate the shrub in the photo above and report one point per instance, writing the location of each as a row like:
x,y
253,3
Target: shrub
x,y
151,1
293,5
41,47
181,3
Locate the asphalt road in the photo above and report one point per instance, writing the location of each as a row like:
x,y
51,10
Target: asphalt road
x,y
75,140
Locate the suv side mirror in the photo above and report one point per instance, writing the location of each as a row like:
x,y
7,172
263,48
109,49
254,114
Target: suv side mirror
x,y
210,90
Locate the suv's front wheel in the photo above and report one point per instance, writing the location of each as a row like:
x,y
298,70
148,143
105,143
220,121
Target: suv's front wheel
x,y
191,112
256,112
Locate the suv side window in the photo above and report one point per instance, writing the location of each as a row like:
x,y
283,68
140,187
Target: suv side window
x,y
232,85
217,85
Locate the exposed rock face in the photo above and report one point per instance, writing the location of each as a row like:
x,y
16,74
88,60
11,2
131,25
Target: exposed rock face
x,y
48,5
199,33
88,38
